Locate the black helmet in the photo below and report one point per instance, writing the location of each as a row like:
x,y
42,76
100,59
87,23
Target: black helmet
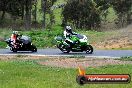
x,y
68,29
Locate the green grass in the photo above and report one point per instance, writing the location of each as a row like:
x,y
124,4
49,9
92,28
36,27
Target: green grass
x,y
95,36
28,74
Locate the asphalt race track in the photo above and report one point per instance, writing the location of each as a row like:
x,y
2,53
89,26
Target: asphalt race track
x,y
57,52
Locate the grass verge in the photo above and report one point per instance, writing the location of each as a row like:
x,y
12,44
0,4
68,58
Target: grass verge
x,y
28,74
45,38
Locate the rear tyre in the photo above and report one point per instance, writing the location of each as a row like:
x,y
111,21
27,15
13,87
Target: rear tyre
x,y
14,50
34,48
66,51
64,48
89,49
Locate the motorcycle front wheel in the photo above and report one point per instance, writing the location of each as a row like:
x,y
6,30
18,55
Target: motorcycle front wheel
x,y
34,48
89,49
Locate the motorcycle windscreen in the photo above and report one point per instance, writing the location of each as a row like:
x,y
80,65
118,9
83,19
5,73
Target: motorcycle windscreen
x,y
80,36
26,39
59,38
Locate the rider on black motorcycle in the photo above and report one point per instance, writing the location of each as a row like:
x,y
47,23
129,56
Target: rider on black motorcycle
x,y
67,34
14,38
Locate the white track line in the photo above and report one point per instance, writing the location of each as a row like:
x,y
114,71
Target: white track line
x,y
59,55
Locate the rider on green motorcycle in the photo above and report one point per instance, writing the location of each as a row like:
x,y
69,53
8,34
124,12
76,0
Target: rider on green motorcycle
x,y
73,42
67,34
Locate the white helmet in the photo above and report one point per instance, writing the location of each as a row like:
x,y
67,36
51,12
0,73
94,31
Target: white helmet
x,y
68,29
15,32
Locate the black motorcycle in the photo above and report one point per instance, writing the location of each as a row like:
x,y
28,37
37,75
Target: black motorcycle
x,y
23,43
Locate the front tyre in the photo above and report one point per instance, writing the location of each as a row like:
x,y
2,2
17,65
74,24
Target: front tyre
x,y
33,48
89,49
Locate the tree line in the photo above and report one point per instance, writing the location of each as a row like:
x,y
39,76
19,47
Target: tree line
x,y
25,9
87,14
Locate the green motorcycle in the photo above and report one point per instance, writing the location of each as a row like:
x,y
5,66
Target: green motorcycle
x,y
80,45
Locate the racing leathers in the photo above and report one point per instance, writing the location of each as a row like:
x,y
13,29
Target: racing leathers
x,y
13,39
67,36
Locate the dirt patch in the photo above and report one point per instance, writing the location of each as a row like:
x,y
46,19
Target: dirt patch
x,y
67,62
87,62
122,40
20,57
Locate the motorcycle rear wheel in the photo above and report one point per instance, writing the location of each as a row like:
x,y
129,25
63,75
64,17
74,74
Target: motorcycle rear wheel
x,y
13,49
66,51
64,48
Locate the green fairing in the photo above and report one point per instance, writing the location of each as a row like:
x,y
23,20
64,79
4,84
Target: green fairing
x,y
81,45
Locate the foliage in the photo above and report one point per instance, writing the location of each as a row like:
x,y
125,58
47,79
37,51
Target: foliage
x,y
23,9
123,9
81,13
85,13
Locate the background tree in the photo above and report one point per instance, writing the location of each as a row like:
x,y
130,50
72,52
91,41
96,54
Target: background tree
x,y
46,8
43,5
34,11
17,8
123,9
28,7
3,8
81,13
84,13
14,8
